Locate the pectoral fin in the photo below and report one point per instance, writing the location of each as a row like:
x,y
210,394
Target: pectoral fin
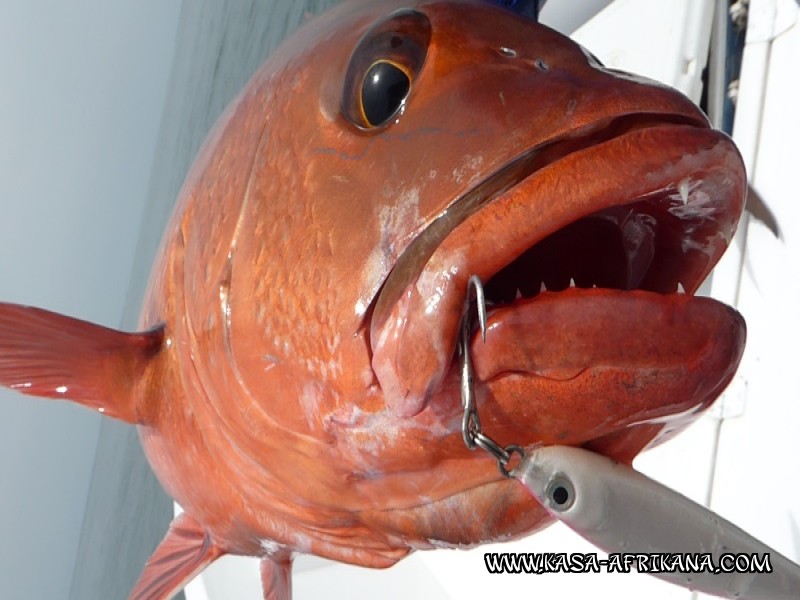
x,y
47,354
186,550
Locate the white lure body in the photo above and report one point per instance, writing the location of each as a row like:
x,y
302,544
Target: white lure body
x,y
620,510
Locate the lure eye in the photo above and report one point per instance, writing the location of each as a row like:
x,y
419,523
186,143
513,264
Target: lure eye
x,y
383,68
560,493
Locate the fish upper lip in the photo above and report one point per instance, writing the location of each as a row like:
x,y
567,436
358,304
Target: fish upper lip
x,y
413,259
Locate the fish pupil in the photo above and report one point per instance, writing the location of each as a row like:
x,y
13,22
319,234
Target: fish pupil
x,y
383,91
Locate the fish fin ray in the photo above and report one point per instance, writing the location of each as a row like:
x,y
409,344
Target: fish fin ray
x,y
47,354
276,578
186,550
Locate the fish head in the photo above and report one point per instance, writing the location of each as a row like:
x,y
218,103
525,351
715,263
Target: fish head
x,y
391,152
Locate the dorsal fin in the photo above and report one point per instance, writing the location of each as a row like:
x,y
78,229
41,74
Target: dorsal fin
x,y
47,354
186,550
276,578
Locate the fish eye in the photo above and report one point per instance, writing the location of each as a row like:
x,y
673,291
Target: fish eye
x,y
383,68
560,493
383,91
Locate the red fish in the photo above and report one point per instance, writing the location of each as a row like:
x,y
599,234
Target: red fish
x,y
295,381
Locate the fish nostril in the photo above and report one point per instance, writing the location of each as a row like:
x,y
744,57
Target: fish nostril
x,y
507,52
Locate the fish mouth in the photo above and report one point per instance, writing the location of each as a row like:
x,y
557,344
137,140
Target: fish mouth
x,y
411,262
591,248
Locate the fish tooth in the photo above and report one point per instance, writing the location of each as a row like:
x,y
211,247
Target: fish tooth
x,y
543,287
518,295
571,282
683,190
680,288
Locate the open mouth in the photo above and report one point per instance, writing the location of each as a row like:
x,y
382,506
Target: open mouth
x,y
636,246
633,205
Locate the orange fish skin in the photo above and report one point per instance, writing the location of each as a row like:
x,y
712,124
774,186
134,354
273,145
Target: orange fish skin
x,y
224,239
265,419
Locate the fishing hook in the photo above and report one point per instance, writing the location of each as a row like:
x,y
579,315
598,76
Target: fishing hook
x,y
471,424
